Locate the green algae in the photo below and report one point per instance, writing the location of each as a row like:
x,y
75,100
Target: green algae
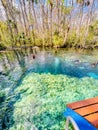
x,y
43,98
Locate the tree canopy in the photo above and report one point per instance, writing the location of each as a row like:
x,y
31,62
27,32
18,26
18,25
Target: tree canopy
x,y
57,23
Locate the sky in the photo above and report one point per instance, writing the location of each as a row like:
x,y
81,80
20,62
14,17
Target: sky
x,y
67,2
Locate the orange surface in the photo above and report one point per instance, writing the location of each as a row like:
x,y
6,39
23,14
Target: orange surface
x,y
93,119
88,109
82,103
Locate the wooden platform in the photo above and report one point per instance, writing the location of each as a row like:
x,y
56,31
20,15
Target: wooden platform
x,y
87,109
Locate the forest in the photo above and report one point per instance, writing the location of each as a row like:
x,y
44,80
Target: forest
x,y
49,23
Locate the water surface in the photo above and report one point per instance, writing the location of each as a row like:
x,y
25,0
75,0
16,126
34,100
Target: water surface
x,y
35,86
71,63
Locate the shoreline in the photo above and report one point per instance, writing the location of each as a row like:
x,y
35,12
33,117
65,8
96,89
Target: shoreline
x,y
49,47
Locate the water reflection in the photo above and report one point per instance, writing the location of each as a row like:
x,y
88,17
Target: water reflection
x,y
12,71
18,62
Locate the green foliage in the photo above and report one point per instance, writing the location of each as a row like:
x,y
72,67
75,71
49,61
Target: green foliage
x,y
72,39
66,10
94,28
90,39
23,40
50,1
79,1
13,25
2,47
39,41
5,38
57,40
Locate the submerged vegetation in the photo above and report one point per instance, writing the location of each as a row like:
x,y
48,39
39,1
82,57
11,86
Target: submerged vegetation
x,y
41,100
58,23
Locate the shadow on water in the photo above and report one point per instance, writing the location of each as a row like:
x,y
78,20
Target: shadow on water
x,y
19,63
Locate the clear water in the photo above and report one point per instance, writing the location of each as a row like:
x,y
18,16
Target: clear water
x,y
73,64
47,78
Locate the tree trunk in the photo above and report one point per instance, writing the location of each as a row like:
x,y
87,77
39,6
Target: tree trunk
x,y
43,22
51,36
12,14
26,16
9,26
35,17
88,21
21,5
58,14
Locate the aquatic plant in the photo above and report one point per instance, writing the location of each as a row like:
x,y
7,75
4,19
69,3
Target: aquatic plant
x,y
42,99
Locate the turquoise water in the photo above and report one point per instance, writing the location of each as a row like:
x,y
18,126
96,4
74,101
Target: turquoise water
x,y
73,64
36,85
